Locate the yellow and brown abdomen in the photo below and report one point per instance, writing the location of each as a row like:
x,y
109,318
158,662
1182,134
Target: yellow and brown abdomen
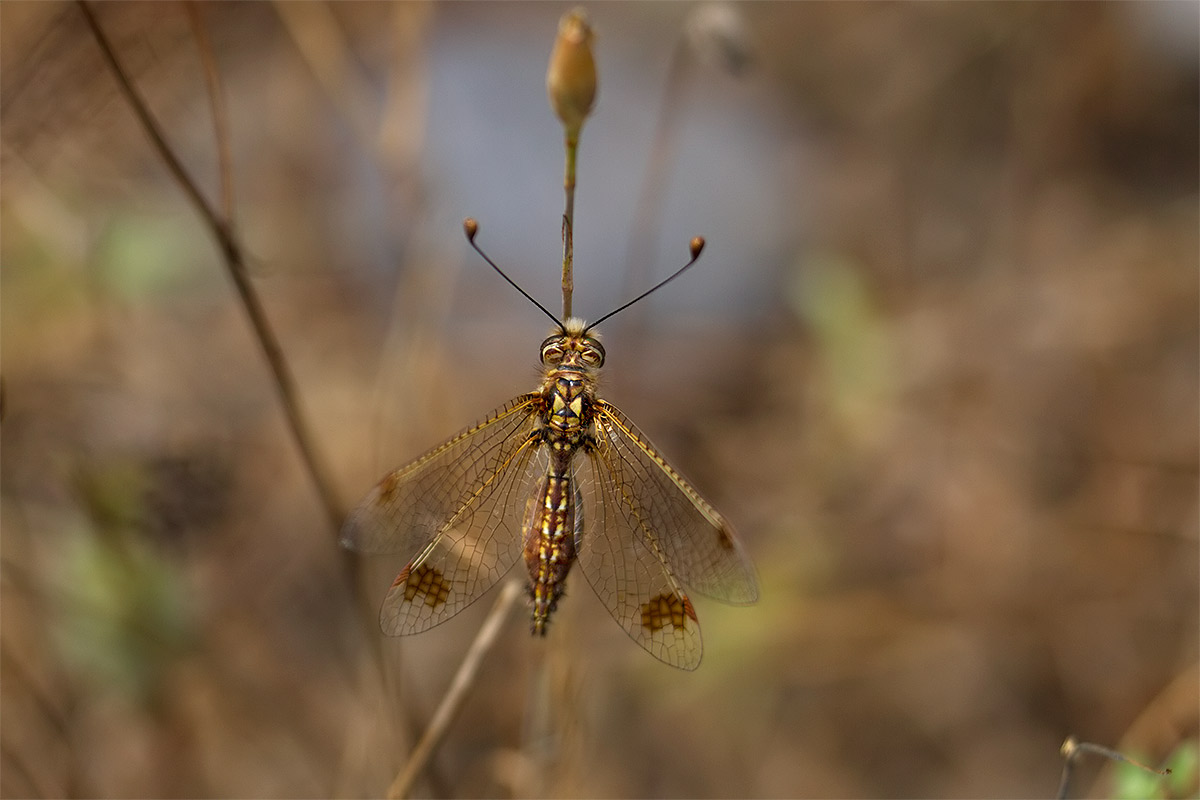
x,y
550,543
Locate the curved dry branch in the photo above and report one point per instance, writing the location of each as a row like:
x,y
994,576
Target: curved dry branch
x,y
231,252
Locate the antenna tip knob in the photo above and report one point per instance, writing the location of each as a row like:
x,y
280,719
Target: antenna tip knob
x,y
470,227
697,246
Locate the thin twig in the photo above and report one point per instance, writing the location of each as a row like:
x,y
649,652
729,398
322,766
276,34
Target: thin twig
x,y
225,171
1071,750
232,255
216,100
456,695
321,42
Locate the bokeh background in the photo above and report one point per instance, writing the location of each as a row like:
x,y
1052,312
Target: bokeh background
x,y
939,365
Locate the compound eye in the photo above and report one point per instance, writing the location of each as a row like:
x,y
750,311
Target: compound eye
x,y
593,354
552,352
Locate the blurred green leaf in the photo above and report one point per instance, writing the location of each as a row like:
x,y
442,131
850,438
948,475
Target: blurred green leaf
x,y
830,294
1184,763
125,611
1131,782
144,254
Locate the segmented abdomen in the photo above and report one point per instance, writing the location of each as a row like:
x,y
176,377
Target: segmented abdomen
x,y
550,541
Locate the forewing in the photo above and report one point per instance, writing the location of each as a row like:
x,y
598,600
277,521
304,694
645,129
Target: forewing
x,y
661,506
455,513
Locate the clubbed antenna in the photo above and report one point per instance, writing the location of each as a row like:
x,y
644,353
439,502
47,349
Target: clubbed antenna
x,y
696,245
471,227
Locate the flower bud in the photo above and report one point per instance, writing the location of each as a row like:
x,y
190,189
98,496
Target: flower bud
x,y
571,78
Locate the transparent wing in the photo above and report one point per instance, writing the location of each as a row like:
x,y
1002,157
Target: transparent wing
x,y
456,513
648,533
631,577
698,542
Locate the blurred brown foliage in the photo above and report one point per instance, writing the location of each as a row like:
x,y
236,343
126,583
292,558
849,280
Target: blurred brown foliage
x,y
958,429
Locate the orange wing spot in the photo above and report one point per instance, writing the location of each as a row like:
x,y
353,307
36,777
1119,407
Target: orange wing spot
x,y
387,488
667,609
425,582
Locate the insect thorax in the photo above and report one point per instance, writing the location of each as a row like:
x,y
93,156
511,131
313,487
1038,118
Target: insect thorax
x,y
569,398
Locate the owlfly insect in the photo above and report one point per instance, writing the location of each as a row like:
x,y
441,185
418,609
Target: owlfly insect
x,y
557,475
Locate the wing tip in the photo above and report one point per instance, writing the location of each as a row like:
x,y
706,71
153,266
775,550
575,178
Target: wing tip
x,y
352,531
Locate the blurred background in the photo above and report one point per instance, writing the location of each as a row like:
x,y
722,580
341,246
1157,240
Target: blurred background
x,y
938,364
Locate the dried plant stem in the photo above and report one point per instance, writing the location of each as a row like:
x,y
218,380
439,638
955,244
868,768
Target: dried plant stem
x,y
456,695
231,252
571,145
221,227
